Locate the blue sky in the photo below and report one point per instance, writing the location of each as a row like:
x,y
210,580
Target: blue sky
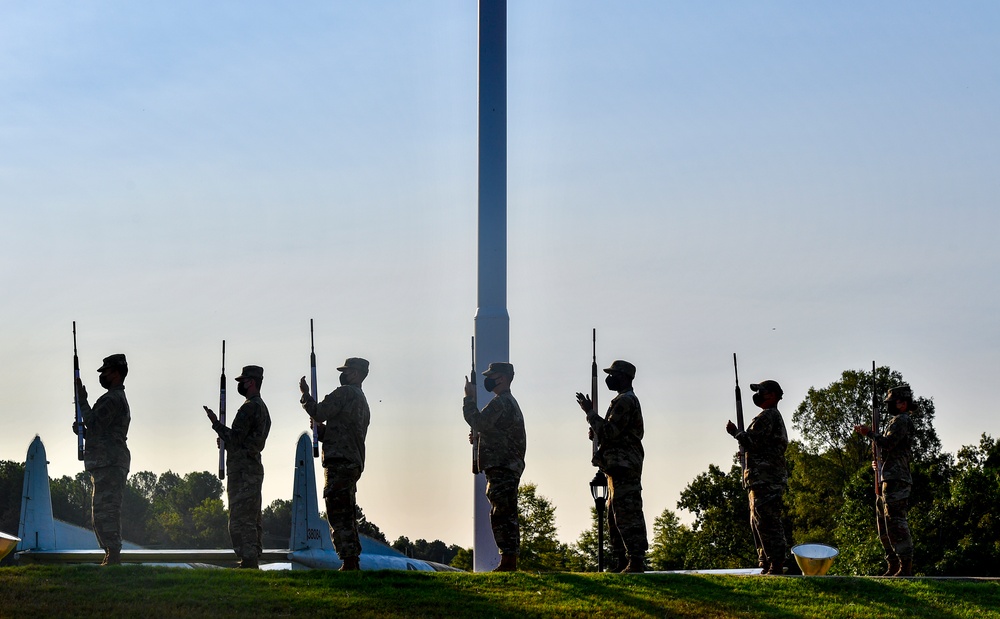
x,y
812,187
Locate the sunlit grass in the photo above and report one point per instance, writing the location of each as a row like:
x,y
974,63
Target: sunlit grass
x,y
139,591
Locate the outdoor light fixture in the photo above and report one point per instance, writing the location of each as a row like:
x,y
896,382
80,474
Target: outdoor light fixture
x,y
599,490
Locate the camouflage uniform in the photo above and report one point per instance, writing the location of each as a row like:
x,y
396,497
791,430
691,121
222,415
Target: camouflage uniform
x,y
766,477
891,507
620,456
502,445
244,443
346,415
107,458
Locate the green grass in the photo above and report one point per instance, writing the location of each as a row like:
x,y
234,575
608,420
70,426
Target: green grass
x,y
139,591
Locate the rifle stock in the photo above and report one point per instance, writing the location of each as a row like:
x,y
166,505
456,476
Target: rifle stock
x,y
222,413
876,422
80,448
739,412
475,435
313,426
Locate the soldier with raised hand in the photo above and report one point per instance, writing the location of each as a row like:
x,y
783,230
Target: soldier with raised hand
x,y
502,445
107,458
343,418
244,443
619,455
891,506
765,476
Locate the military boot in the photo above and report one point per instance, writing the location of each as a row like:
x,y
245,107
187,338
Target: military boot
x,y
893,563
636,565
776,568
351,564
114,557
905,567
765,567
249,563
508,563
621,562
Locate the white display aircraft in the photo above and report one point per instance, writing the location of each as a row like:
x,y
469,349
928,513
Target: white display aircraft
x,y
44,539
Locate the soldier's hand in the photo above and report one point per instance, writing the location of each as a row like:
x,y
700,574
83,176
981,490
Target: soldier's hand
x,y
590,434
862,430
472,437
584,401
731,428
303,386
320,430
211,415
81,391
470,389
218,442
874,465
78,428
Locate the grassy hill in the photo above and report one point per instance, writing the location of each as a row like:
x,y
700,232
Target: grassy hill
x,y
139,591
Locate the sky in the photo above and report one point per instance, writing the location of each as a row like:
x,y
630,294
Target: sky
x,y
810,185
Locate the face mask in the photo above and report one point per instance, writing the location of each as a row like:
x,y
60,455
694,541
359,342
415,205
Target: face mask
x,y
490,383
613,382
241,388
343,379
105,381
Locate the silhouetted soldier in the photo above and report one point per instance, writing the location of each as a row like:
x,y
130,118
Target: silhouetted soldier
x,y
107,457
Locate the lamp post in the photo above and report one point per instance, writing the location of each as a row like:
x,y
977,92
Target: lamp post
x,y
599,490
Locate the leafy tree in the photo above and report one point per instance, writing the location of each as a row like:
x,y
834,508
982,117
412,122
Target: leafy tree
x,y
720,537
463,559
582,555
365,527
72,498
540,550
436,551
671,542
277,523
961,530
11,486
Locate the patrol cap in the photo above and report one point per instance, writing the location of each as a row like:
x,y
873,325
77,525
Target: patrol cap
x,y
500,367
112,362
251,371
355,363
901,392
766,386
621,367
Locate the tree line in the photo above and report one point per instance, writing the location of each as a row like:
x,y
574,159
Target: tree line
x,y
830,500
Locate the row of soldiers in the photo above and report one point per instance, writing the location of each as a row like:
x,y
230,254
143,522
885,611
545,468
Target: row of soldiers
x,y
497,430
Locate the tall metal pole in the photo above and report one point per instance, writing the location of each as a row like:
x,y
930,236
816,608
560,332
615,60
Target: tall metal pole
x,y
492,320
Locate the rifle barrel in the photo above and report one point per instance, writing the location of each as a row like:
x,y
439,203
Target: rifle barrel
x,y
80,448
475,435
222,413
739,411
313,389
593,388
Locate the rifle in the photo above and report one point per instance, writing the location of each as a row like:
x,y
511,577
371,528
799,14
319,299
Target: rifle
x,y
475,435
739,412
222,413
593,390
76,400
312,388
876,454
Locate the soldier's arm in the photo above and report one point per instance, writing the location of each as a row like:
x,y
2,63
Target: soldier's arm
x,y
330,407
620,418
894,434
757,433
470,411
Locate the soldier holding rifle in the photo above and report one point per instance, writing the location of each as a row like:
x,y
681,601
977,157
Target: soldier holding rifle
x,y
107,457
244,442
342,424
502,443
765,475
620,455
894,466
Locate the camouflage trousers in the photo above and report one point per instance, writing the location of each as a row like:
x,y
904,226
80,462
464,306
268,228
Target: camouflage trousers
x,y
340,490
893,529
501,491
245,523
109,489
765,523
626,522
